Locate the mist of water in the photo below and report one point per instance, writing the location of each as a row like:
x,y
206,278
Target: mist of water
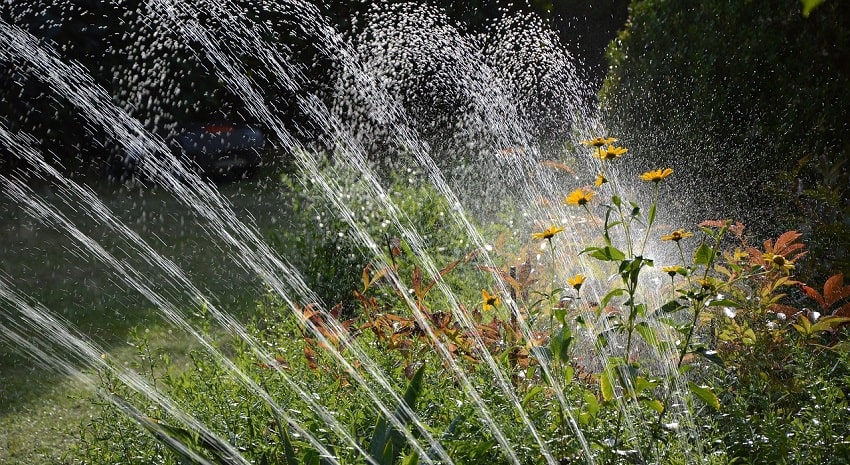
x,y
497,131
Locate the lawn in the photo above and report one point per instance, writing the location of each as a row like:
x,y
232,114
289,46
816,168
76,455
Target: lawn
x,y
41,412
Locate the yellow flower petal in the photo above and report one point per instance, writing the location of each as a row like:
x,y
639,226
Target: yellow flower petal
x,y
490,301
609,153
579,197
600,180
656,175
548,233
576,281
676,235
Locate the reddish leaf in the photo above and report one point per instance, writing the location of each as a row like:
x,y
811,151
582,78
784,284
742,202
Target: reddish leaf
x,y
787,310
843,310
785,240
713,223
395,246
311,358
834,290
814,295
336,311
417,282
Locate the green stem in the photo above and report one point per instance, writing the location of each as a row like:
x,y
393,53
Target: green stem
x,y
592,218
650,219
626,230
554,268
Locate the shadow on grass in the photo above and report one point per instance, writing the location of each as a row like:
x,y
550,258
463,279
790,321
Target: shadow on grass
x,y
48,267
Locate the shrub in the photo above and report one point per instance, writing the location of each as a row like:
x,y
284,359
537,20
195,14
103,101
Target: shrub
x,y
750,98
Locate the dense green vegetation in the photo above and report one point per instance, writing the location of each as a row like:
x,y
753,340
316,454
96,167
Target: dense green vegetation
x,y
767,375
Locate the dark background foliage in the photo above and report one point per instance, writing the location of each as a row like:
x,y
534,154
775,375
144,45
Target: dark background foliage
x,y
749,98
162,82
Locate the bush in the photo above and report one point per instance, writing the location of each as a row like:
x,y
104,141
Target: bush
x,y
323,246
750,98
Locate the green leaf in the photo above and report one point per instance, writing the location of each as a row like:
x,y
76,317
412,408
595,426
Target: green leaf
x,y
286,441
531,394
651,215
606,385
607,253
592,403
647,333
809,5
710,355
615,199
386,441
412,459
654,404
827,323
671,307
705,394
610,295
724,303
311,457
703,255
560,344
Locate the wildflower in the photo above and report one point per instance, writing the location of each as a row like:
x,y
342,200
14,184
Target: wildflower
x,y
548,233
673,270
491,301
656,175
576,281
579,197
779,262
598,141
740,256
676,235
600,180
609,153
706,284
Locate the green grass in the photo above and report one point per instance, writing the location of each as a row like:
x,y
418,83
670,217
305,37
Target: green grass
x,y
41,412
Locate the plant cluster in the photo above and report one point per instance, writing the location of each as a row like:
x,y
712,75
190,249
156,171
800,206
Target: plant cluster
x,y
707,351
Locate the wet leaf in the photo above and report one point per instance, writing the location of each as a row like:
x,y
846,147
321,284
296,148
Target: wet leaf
x,y
591,402
647,333
530,395
834,290
710,355
606,385
828,323
703,255
653,404
705,394
809,5
412,459
607,253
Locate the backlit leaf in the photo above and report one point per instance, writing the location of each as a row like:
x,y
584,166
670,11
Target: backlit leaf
x,y
703,255
606,385
705,395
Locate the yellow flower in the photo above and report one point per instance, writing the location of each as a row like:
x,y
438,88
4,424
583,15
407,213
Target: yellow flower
x,y
740,256
600,180
676,235
576,281
548,233
656,175
673,270
490,301
778,261
579,197
598,141
609,153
